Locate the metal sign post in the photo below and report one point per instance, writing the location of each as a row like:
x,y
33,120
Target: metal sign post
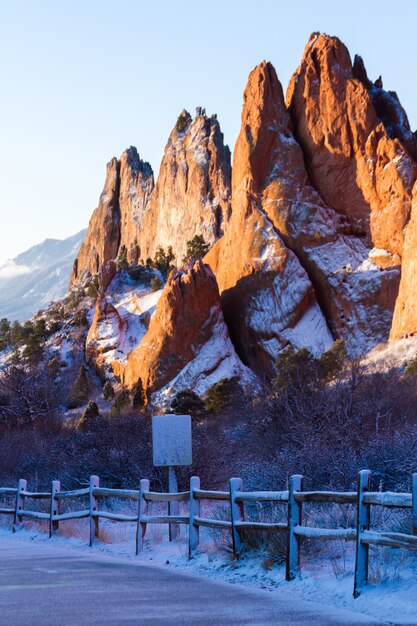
x,y
171,443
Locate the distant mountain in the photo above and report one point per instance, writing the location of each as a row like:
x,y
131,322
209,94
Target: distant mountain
x,y
36,277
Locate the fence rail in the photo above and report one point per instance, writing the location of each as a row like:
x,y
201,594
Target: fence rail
x,y
236,497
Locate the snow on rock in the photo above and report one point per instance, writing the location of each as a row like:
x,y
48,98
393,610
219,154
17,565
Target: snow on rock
x,y
120,322
172,339
187,317
358,297
396,354
215,360
264,288
105,334
310,332
275,315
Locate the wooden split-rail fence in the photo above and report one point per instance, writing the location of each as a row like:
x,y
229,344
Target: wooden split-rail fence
x,y
292,498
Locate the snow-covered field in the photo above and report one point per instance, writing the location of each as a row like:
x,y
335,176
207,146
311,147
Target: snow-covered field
x,y
392,598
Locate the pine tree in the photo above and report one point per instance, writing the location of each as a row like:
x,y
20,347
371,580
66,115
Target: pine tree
x,y
108,391
163,260
33,349
139,395
121,401
4,333
196,247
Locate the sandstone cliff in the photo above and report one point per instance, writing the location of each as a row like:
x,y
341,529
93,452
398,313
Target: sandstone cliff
x,y
309,230
175,339
405,315
101,242
136,186
192,195
361,168
267,296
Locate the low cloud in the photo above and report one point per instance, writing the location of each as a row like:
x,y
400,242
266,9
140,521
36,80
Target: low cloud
x,y
10,269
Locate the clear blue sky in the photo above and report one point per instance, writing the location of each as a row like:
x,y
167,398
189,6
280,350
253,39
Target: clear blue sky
x,y
81,80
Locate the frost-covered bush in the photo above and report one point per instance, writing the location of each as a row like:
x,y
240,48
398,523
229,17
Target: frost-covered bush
x,y
140,273
27,397
411,367
121,401
75,297
80,318
89,416
220,395
187,402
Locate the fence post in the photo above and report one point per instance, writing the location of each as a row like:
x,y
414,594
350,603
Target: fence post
x,y
363,520
142,510
237,513
20,503
414,492
292,564
194,529
53,524
94,527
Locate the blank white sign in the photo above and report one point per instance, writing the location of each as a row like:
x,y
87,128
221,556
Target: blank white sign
x,y
171,440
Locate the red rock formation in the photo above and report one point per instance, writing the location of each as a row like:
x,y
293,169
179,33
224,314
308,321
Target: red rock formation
x,y
136,185
269,177
321,197
106,273
102,240
267,297
188,318
192,194
358,168
192,197
404,322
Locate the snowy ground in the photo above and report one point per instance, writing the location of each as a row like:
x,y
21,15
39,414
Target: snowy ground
x,y
391,600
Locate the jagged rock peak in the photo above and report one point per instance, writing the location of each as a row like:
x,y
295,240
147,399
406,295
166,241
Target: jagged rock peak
x,y
136,187
101,242
358,168
192,194
266,294
135,162
388,108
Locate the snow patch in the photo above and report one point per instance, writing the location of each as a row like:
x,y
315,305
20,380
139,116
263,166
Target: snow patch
x,y
310,332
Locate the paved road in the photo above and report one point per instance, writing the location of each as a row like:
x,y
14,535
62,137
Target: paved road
x,y
46,584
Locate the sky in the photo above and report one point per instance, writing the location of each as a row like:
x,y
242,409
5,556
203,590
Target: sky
x,y
81,80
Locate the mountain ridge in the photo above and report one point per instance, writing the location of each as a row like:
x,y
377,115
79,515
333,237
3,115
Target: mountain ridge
x,y
37,276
